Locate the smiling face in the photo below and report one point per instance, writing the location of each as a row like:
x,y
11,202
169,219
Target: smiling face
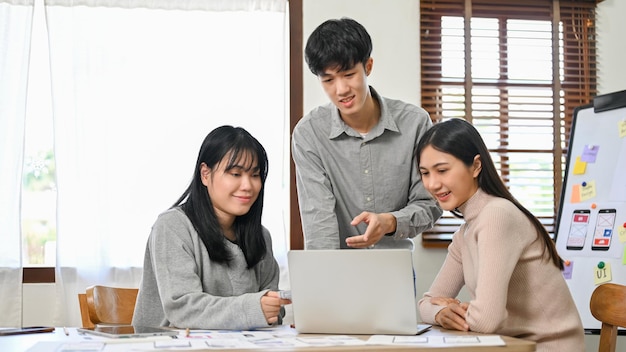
x,y
447,178
348,89
232,191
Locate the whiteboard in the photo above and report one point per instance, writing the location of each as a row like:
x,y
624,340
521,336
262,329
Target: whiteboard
x,y
591,233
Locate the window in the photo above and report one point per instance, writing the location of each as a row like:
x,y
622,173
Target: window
x,y
516,71
39,175
129,103
184,77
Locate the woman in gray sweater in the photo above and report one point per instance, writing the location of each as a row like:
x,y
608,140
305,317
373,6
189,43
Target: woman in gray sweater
x,y
208,262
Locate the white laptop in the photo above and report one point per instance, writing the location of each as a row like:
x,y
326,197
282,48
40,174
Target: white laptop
x,y
353,291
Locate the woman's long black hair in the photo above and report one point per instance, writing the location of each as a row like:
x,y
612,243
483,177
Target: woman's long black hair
x,y
239,145
460,139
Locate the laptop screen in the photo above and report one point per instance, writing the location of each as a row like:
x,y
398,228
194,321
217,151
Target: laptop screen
x,y
353,291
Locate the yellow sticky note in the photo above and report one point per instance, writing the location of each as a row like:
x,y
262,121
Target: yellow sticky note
x,y
579,167
622,234
602,273
622,129
588,191
624,256
575,194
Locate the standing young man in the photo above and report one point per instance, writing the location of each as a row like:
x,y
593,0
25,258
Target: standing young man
x,y
358,186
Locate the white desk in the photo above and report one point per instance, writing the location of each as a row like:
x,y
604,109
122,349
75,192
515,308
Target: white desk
x,y
50,342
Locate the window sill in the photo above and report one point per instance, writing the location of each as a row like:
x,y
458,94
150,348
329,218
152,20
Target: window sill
x,y
436,243
34,275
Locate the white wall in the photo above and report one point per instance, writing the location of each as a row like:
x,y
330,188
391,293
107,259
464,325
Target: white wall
x,y
38,304
611,46
395,35
394,27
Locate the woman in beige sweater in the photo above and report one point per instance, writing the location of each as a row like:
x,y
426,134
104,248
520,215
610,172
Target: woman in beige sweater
x,y
502,254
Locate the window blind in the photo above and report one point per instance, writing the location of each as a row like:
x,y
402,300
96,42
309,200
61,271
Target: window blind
x,y
516,71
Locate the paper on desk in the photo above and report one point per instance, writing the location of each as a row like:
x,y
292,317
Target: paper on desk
x,y
81,347
207,339
437,341
279,338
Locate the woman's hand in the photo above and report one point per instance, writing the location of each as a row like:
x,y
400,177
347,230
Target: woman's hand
x,y
270,304
453,315
444,301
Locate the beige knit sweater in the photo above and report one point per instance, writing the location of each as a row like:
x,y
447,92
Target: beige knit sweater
x,y
515,289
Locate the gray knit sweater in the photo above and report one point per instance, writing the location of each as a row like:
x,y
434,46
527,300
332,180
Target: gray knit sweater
x,y
181,287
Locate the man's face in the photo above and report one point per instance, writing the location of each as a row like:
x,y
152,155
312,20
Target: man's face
x,y
348,89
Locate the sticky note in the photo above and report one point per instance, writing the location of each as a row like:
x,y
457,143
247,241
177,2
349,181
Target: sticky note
x,y
568,268
621,231
579,167
575,194
624,256
622,129
590,153
588,191
602,273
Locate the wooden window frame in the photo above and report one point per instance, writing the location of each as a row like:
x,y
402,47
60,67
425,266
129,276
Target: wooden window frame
x,y
296,110
37,275
577,91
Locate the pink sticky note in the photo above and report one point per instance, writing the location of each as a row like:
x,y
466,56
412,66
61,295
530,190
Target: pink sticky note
x,y
575,194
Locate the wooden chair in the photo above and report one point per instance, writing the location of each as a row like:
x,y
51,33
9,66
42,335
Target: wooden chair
x,y
84,311
608,305
107,305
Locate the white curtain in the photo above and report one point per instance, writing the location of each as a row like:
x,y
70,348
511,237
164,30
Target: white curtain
x,y
15,27
136,87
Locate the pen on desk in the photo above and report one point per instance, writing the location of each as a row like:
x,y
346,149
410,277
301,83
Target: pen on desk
x,y
66,332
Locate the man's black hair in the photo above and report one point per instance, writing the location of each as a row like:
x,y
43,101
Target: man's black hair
x,y
339,44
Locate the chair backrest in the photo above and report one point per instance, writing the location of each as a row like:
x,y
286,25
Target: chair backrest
x,y
84,311
608,305
109,305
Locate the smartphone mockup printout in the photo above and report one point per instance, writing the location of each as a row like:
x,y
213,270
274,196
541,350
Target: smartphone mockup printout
x,y
604,229
578,229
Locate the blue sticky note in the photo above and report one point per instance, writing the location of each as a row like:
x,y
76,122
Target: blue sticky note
x,y
590,153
